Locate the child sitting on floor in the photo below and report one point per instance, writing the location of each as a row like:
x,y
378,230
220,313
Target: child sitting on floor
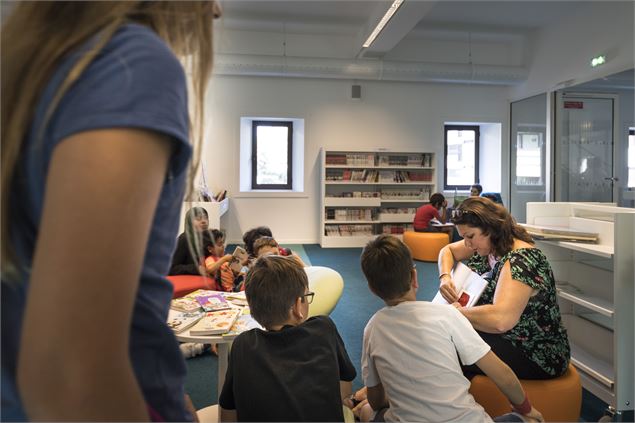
x,y
409,355
297,369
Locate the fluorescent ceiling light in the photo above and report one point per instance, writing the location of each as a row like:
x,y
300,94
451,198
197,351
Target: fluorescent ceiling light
x,y
382,23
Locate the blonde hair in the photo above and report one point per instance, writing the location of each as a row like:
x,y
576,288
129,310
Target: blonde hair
x,y
37,35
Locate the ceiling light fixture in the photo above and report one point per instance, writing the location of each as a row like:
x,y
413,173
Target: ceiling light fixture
x,y
382,23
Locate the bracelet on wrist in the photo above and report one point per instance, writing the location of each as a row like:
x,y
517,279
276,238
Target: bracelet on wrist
x,y
442,275
523,408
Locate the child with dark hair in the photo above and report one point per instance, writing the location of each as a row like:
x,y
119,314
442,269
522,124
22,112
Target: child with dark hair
x,y
436,209
252,235
476,190
297,369
218,264
268,245
424,340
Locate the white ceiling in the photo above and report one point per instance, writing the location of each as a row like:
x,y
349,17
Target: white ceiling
x,y
516,14
426,40
417,18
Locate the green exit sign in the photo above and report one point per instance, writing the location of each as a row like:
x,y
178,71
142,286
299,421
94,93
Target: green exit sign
x,y
598,61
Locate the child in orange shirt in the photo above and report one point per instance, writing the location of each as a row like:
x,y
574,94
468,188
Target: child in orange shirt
x,y
218,264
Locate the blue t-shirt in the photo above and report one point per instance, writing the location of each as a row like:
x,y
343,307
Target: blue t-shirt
x,y
134,82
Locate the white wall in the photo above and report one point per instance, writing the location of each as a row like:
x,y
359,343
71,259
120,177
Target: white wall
x,y
562,52
490,160
390,115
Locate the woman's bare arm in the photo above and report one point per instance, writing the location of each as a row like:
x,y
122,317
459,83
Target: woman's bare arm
x,y
102,190
510,299
448,256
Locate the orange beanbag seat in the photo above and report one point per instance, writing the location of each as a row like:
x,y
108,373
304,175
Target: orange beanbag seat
x,y
558,399
184,284
425,246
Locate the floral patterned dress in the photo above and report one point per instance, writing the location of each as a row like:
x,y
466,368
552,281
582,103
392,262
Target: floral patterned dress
x,y
539,333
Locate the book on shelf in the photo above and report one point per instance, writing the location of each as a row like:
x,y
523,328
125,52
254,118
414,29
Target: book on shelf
x,y
467,283
560,234
178,321
216,322
213,302
185,304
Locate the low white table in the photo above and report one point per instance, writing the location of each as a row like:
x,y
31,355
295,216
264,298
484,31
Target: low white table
x,y
223,343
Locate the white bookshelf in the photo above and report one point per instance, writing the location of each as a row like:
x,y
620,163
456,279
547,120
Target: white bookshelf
x,y
595,293
391,183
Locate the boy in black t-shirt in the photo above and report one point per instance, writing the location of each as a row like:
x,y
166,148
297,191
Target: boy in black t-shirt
x,y
296,369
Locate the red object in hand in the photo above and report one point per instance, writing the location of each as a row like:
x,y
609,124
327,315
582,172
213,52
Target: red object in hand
x,y
463,299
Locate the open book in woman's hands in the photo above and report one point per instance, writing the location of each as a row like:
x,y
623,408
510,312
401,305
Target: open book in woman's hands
x,y
469,285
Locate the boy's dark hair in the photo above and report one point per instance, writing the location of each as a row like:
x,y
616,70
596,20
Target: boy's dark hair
x,y
209,239
478,187
272,285
264,241
437,199
387,265
252,235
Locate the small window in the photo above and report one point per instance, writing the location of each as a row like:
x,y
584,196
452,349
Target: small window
x,y
631,158
271,155
461,157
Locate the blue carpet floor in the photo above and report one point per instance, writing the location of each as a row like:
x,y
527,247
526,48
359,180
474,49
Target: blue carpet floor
x,y
353,311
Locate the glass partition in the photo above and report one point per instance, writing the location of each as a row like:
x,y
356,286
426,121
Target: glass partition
x,y
528,153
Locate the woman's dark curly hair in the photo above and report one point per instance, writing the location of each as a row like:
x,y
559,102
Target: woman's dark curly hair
x,y
493,220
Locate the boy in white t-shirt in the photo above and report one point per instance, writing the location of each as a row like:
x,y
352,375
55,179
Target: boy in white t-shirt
x,y
409,357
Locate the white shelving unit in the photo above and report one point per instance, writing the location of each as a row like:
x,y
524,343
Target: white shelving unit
x,y
595,292
392,184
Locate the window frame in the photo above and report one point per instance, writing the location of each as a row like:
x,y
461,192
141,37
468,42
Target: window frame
x,y
631,133
543,158
477,136
254,155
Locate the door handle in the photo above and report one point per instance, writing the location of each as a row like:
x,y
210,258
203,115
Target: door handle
x,y
612,179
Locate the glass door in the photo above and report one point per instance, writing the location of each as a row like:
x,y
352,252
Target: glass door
x,y
528,153
584,147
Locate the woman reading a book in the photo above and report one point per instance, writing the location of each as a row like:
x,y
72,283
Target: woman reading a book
x,y
95,158
517,314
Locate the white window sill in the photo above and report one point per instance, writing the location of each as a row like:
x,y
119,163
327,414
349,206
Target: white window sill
x,y
271,194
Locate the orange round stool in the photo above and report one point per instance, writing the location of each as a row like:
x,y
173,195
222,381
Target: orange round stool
x,y
558,399
425,246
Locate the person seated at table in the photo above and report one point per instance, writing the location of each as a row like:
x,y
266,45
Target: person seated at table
x,y
267,245
296,369
411,350
188,255
476,190
427,212
517,314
